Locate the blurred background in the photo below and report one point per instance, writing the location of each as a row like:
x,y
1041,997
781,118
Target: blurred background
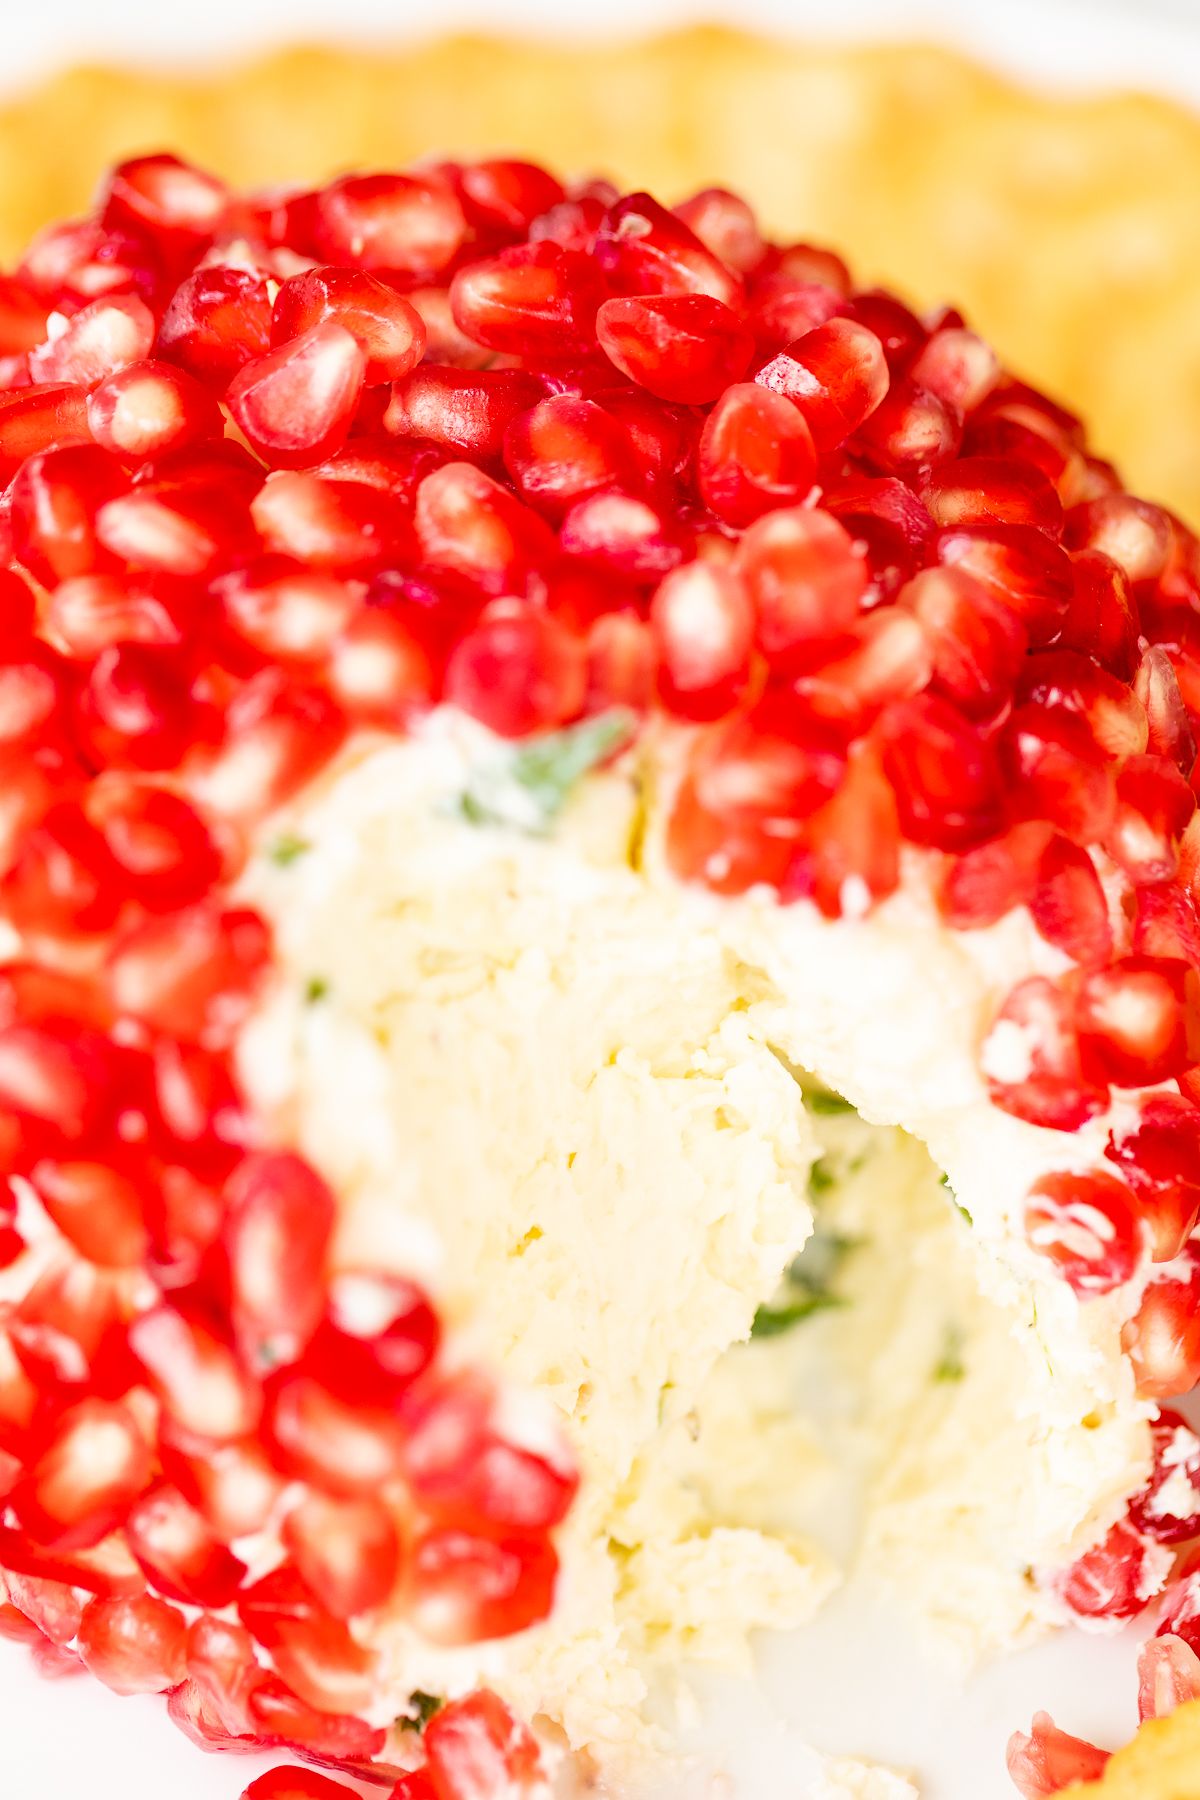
x,y
1036,161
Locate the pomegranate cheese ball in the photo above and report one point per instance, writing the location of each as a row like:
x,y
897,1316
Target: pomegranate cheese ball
x,y
600,1025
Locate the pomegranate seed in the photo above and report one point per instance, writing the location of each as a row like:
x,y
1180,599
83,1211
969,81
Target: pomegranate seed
x,y
1032,1060
343,526
632,538
1154,808
63,879
178,205
943,773
1057,772
50,1606
192,1709
231,1485
909,430
1170,731
1089,1228
1135,534
389,330
178,1553
48,416
535,300
277,736
1168,1676
1139,1020
1102,620
1168,1507
96,342
1181,1613
281,1217
73,263
956,366
1117,1579
295,1784
135,1645
756,454
471,528
884,657
620,663
518,671
726,226
1158,1153
22,317
217,321
82,1475
1048,1760
978,643
472,1456
836,374
505,195
475,1747
379,670
399,222
321,1438
92,613
702,622
1167,923
157,841
1019,565
976,489
464,410
162,527
56,498
147,408
278,1713
564,449
466,1587
852,843
643,249
61,1074
805,577
347,1551
663,436
681,347
382,1333
296,404
67,1330
192,974
99,1207
782,308
1162,1340
285,611
134,710
196,1377
1069,905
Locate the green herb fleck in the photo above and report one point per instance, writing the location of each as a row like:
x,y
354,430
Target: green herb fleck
x,y
315,989
420,1709
287,849
821,1178
950,1365
825,1101
807,1286
530,787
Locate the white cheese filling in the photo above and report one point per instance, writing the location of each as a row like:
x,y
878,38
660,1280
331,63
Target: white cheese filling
x,y
562,1089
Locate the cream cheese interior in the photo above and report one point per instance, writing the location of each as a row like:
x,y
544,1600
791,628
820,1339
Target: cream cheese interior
x,y
570,1094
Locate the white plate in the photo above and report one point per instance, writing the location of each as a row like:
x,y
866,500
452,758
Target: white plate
x,y
853,1682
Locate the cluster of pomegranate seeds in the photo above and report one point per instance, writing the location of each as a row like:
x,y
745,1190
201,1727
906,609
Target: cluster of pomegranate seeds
x,y
280,467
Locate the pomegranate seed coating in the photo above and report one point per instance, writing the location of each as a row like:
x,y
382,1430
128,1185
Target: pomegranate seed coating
x,y
288,465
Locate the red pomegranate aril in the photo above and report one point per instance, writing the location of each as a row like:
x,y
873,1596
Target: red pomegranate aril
x,y
134,710
518,670
975,489
278,1714
621,662
296,1784
633,538
51,1607
56,499
296,404
97,341
1117,1579
1167,923
195,1375
167,529
978,643
957,366
1134,533
464,1587
1057,772
565,448
399,222
1033,1063
336,1445
150,407
643,249
1139,1020
944,774
17,606
379,669
99,1207
81,260
218,320
277,1234
22,317
1154,807
135,1645
1048,1760
232,1485
1069,905
475,1747
383,1327
1102,620
192,1708
851,851
178,205
681,347
49,416
805,577
836,374
344,527
664,437
1156,686
884,657
781,308
909,430
535,300
506,195
157,840
1020,565
1168,1507
726,226
471,528
83,1474
1112,713
177,1551
67,1330
1088,1226
348,1551
464,410
756,454
285,611
702,621
1168,1676
64,880
92,613
277,736
58,1073
390,331
192,974
1181,1614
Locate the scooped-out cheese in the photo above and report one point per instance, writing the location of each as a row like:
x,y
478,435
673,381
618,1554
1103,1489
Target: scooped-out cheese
x,y
567,1093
